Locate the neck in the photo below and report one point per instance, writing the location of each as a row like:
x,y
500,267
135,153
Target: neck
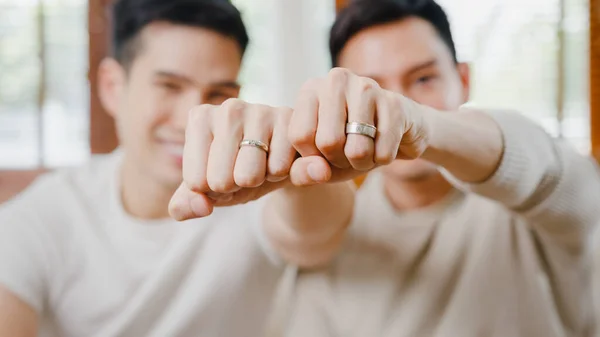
x,y
405,195
142,196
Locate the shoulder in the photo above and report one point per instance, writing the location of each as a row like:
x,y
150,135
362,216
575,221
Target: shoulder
x,y
59,191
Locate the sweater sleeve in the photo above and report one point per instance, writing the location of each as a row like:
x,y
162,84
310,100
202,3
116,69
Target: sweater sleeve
x,y
544,180
557,192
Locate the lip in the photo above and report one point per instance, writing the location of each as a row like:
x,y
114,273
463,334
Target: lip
x,y
174,150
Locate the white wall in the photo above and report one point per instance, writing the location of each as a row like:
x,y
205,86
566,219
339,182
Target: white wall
x,y
289,46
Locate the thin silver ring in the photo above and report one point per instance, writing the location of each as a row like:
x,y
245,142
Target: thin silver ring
x,y
255,143
361,129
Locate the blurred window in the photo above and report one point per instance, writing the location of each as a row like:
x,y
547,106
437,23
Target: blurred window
x,y
528,55
44,92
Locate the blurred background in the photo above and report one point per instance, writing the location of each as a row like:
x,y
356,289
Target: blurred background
x,y
535,56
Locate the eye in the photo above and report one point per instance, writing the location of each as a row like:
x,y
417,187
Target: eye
x,y
169,86
219,97
425,79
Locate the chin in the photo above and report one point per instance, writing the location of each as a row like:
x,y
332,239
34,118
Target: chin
x,y
166,174
172,178
410,170
169,172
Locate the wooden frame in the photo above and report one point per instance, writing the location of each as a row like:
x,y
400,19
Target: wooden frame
x,y
13,182
340,4
103,137
594,7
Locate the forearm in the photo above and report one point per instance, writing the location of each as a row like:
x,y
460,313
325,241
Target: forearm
x,y
468,144
541,178
497,154
306,225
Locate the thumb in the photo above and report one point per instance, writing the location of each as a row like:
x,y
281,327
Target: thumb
x,y
311,170
186,204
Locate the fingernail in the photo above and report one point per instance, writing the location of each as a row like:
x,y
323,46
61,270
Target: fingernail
x,y
199,206
226,198
314,172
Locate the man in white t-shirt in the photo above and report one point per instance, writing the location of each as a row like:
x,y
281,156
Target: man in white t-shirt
x,y
88,252
91,251
493,244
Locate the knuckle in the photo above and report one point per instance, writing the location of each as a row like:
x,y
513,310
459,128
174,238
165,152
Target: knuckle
x,y
234,104
248,180
395,103
310,85
367,85
384,157
301,136
284,114
331,142
338,75
278,174
221,184
387,147
196,183
232,111
278,167
283,117
262,114
199,114
358,152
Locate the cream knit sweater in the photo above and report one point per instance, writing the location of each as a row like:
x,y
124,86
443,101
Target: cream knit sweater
x,y
504,258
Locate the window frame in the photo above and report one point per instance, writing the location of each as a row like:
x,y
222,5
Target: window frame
x,y
594,79
103,137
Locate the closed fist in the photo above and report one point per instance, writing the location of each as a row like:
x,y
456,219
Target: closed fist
x,y
238,152
355,124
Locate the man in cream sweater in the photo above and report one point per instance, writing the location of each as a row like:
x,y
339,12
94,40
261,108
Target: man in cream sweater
x,y
482,232
89,251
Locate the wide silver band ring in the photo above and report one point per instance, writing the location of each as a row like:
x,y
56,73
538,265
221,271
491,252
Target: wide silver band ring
x,y
255,143
361,129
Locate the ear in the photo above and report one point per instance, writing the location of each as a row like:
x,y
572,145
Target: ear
x,y
464,72
111,84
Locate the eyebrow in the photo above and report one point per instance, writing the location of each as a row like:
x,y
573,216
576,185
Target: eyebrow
x,y
183,78
421,66
414,69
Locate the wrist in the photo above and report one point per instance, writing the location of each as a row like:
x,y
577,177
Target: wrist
x,y
306,225
434,123
422,136
307,211
467,143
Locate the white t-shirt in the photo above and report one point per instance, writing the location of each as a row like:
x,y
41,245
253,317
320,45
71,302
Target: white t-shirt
x,y
68,249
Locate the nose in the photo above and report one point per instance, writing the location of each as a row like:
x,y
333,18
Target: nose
x,y
394,87
180,117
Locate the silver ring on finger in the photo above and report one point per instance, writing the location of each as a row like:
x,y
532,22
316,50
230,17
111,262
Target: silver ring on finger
x,y
359,128
255,143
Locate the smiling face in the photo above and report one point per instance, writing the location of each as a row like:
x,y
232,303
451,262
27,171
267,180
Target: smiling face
x,y
176,68
409,57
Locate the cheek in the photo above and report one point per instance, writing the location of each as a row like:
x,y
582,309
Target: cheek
x,y
433,97
136,122
442,95
454,97
147,111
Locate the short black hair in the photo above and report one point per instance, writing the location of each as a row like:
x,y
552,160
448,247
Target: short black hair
x,y
130,17
363,14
